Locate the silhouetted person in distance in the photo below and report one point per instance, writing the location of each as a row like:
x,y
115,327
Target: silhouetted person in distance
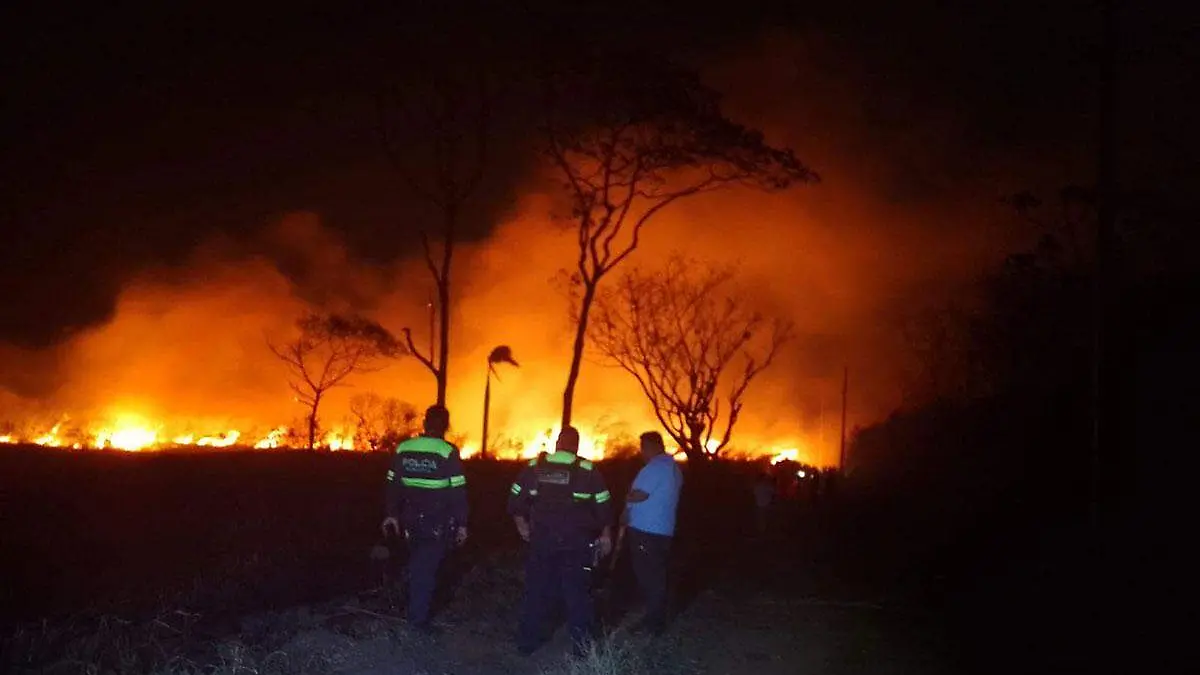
x,y
650,518
427,491
561,506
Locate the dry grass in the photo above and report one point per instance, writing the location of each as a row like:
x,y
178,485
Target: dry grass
x,y
611,656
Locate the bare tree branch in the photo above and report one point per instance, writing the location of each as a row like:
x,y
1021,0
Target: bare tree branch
x,y
416,353
629,138
328,350
685,336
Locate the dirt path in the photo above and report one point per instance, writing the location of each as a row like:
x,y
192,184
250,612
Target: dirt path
x,y
758,610
724,631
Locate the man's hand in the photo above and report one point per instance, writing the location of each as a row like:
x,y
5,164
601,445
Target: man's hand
x,y
391,525
522,527
606,545
460,536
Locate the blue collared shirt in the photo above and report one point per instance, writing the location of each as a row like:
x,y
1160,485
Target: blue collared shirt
x,y
662,480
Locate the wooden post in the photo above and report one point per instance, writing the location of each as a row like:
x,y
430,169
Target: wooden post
x,y
487,402
845,389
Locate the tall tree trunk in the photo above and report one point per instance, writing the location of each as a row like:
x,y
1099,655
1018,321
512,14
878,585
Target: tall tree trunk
x,y
585,307
312,422
443,359
695,441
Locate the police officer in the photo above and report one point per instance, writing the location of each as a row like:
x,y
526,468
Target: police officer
x,y
560,504
427,489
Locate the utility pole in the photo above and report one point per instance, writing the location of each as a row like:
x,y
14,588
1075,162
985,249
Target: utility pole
x,y
487,404
845,390
501,354
432,329
1106,215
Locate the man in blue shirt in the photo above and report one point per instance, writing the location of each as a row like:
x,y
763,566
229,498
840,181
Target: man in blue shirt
x,y
650,520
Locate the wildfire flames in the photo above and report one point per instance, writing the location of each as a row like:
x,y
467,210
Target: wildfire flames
x,y
134,434
226,390
181,360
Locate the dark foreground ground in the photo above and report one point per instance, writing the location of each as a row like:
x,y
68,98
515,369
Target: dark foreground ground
x,y
258,563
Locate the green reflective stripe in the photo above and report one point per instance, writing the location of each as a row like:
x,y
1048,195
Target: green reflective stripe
x,y
426,445
583,495
458,481
391,475
560,457
602,497
516,489
427,483
533,462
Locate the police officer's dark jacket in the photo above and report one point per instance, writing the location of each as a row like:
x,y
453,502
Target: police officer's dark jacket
x,y
426,485
563,496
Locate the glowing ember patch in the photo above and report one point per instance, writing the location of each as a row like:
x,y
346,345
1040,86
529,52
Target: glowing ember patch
x,y
469,449
591,446
787,455
712,445
272,440
130,439
335,441
7,439
50,439
225,441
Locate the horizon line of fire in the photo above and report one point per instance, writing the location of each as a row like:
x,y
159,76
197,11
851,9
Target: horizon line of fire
x,y
140,438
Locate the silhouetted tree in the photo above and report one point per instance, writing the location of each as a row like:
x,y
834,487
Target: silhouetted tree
x,y
443,117
380,422
626,139
692,344
328,350
1026,324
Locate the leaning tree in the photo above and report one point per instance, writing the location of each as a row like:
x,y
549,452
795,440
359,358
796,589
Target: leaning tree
x,y
326,352
689,338
626,137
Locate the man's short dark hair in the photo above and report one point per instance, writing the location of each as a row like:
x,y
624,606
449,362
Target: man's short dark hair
x,y
655,439
437,420
568,440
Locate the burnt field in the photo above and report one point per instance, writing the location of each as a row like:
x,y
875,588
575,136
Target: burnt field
x,y
243,531
164,562
226,531
259,561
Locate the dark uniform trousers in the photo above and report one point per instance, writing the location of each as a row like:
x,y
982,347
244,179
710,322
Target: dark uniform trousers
x,y
649,555
556,568
425,554
427,486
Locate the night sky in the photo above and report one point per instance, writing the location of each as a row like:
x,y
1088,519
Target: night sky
x,y
133,133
